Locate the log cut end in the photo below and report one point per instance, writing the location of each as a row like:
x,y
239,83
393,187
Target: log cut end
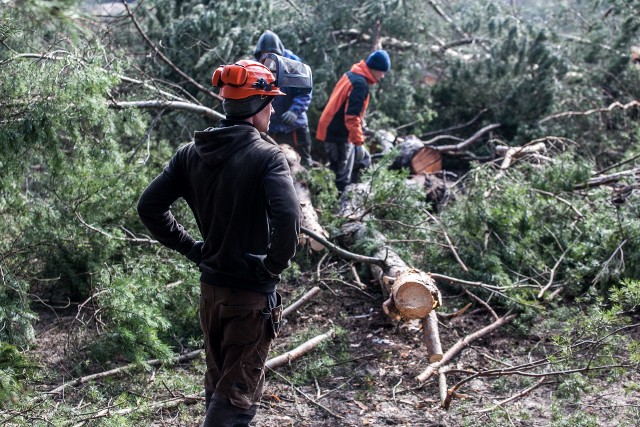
x,y
414,294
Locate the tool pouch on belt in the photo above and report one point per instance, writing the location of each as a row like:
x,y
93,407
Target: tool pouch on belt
x,y
274,314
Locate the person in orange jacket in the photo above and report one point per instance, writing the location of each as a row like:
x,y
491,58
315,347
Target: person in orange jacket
x,y
340,125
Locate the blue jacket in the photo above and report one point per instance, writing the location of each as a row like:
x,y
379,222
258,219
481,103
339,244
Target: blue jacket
x,y
297,100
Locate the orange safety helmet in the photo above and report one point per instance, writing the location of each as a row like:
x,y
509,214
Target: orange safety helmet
x,y
243,79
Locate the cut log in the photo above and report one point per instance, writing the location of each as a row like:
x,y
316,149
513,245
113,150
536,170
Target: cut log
x,y
426,160
414,294
415,155
309,215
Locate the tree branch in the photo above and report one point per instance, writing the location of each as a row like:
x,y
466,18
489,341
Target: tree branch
x,y
176,105
167,60
341,252
592,111
457,148
463,343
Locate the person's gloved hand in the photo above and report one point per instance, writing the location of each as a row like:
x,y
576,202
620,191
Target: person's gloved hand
x,y
195,253
289,117
359,153
262,271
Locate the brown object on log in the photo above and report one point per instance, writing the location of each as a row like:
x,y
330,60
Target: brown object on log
x,y
426,160
432,337
414,294
309,215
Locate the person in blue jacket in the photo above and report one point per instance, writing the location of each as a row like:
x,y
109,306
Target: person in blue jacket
x,y
289,124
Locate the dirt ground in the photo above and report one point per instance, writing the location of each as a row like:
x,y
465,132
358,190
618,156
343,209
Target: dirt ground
x,y
365,376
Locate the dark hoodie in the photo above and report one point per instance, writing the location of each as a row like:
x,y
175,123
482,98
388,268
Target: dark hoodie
x,y
268,42
240,190
297,100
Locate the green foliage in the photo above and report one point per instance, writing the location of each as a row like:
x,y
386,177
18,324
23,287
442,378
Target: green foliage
x,y
326,356
14,368
68,183
73,167
511,77
147,306
527,222
324,195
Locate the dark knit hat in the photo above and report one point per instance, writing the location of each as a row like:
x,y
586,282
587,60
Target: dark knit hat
x,y
379,60
241,109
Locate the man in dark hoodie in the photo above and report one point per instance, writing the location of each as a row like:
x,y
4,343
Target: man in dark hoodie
x,y
289,124
240,191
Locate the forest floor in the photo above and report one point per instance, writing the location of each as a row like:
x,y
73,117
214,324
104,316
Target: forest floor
x,y
364,376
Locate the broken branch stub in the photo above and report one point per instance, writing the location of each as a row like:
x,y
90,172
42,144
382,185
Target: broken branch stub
x,y
432,337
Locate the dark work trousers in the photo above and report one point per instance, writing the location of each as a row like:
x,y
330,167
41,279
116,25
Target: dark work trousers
x,y
341,159
300,140
236,340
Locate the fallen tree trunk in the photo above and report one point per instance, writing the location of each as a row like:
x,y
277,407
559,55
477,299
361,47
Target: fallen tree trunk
x,y
411,293
432,337
309,216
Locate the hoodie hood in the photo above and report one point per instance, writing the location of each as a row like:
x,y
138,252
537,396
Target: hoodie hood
x,y
362,69
268,42
215,145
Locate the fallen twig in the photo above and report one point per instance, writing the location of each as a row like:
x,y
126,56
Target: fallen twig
x,y
169,403
315,402
453,149
461,344
592,111
514,397
455,314
301,301
481,302
122,369
299,351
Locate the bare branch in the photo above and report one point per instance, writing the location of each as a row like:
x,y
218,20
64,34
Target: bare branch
x,y
299,351
343,253
167,60
592,111
463,343
111,236
515,396
176,105
300,302
457,148
607,179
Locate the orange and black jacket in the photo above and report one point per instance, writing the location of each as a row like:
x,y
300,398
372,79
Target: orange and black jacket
x,y
341,120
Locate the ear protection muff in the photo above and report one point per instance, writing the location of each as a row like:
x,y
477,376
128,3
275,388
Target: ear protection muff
x,y
234,75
